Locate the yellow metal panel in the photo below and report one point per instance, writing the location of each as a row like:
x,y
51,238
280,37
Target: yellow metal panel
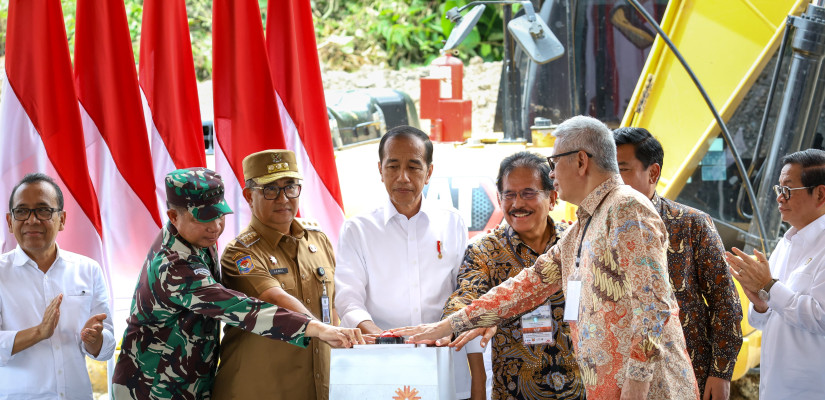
x,y
727,44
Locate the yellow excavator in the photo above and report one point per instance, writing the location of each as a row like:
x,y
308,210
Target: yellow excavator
x,y
665,66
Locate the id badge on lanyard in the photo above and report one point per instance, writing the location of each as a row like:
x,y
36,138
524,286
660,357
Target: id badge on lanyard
x,y
538,326
573,294
325,306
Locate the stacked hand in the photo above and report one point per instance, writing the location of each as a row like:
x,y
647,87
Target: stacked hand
x,y
439,334
335,335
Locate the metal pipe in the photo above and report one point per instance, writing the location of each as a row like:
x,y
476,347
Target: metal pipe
x,y
791,133
771,92
513,128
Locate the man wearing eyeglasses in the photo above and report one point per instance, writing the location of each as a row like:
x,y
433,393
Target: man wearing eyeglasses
x,y
170,347
398,263
54,308
787,293
285,261
532,355
612,267
709,306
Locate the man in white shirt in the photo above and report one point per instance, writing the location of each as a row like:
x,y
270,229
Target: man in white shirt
x,y
53,303
787,293
397,265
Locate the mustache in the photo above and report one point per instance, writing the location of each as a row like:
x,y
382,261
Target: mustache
x,y
519,210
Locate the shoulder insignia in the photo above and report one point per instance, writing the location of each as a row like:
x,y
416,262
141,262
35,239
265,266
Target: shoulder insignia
x,y
244,264
309,224
247,238
200,269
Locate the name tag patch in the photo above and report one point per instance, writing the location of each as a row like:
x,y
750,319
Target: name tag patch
x,y
244,264
278,271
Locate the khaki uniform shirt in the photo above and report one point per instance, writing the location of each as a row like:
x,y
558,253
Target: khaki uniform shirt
x,y
253,367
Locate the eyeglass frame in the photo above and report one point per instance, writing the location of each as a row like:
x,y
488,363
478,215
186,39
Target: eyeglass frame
x,y
279,190
553,163
781,189
516,194
34,211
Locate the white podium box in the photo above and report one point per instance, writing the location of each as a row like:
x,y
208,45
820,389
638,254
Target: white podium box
x,y
392,371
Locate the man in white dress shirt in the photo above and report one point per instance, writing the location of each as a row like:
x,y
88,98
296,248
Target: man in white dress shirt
x,y
397,264
787,293
53,303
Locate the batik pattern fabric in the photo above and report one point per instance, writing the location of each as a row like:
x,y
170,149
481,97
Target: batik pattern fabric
x,y
520,371
170,346
628,318
709,307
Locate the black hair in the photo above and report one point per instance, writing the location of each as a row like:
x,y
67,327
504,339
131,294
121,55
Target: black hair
x,y
528,160
812,162
648,150
411,132
35,177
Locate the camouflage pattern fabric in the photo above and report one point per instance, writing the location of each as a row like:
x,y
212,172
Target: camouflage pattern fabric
x,y
170,346
199,190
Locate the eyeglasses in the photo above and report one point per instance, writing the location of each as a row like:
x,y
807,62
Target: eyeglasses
x,y
786,191
526,194
553,163
42,213
272,192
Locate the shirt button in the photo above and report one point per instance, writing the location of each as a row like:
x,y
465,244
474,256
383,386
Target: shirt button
x,y
306,301
316,351
303,276
318,376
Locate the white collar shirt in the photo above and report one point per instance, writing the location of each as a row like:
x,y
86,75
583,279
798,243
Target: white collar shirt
x,y
54,368
793,328
400,272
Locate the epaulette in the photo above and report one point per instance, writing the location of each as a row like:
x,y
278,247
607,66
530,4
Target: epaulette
x,y
248,238
309,224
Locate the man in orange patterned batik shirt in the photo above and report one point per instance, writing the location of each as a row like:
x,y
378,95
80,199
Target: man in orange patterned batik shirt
x,y
612,266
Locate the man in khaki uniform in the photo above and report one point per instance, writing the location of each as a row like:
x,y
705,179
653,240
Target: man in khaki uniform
x,y
284,261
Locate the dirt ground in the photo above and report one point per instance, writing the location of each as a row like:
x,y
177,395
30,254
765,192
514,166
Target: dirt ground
x,y
481,81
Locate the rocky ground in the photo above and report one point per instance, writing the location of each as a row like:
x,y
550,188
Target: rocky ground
x,y
481,82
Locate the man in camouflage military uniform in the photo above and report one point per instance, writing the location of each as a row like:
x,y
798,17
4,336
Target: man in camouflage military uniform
x,y
284,261
170,347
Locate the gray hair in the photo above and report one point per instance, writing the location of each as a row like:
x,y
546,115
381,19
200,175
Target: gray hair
x,y
591,135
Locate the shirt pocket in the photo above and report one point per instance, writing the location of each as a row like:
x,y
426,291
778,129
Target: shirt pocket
x,y
286,280
75,310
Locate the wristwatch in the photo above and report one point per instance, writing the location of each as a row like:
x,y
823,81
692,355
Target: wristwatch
x,y
765,292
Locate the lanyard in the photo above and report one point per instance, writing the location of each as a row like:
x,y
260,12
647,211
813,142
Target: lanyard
x,y
581,241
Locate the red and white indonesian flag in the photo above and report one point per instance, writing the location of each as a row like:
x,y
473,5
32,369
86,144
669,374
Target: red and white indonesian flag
x,y
246,110
271,97
296,74
169,91
40,128
117,146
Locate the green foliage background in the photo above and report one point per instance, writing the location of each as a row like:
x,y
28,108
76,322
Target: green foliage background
x,y
349,33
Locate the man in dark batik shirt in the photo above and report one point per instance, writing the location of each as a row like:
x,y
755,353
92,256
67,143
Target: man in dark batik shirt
x,y
709,306
521,371
170,346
